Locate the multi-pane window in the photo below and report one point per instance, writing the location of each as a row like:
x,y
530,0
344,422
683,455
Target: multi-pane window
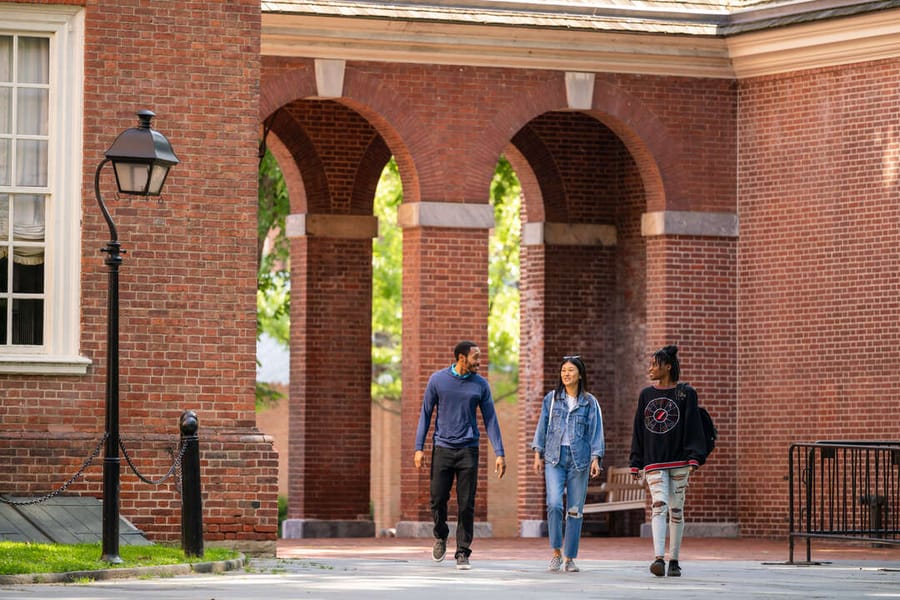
x,y
24,162
42,78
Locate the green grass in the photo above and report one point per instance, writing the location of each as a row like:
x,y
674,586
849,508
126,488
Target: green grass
x,y
18,558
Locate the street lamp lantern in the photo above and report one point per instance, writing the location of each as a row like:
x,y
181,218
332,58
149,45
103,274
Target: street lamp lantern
x,y
141,158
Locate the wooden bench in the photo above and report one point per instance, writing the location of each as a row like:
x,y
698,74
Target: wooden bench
x,y
619,492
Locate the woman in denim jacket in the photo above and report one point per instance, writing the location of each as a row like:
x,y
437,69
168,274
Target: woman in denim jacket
x,y
569,439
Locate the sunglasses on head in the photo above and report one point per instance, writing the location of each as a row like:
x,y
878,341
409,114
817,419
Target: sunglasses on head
x,y
572,357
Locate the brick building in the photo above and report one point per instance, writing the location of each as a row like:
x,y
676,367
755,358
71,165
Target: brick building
x,y
718,175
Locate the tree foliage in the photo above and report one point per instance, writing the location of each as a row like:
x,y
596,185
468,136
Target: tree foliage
x,y
273,275
503,282
273,291
387,282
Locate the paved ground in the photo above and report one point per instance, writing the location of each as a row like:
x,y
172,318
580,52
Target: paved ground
x,y
514,569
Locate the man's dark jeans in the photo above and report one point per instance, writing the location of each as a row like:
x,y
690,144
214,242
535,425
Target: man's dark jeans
x,y
461,463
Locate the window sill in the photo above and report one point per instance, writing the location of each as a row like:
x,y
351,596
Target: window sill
x,y
43,364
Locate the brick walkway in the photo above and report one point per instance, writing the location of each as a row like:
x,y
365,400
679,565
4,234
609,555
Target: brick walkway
x,y
592,548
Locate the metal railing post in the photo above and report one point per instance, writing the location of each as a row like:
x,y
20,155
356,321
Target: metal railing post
x,y
191,502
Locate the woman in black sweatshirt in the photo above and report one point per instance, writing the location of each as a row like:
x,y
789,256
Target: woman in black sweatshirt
x,y
667,445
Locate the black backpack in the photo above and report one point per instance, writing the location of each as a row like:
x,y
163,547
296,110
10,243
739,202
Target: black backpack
x,y
710,434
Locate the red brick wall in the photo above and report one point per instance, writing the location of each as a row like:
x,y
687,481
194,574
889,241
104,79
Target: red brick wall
x,y
187,283
817,330
691,290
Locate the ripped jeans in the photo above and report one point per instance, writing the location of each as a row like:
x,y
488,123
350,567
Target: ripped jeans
x,y
667,490
563,476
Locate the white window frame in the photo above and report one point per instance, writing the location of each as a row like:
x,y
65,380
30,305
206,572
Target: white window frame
x,y
59,355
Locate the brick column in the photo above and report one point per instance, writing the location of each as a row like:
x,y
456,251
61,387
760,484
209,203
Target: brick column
x,y
445,300
691,302
331,366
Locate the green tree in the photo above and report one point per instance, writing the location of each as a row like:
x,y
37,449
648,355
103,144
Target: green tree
x,y
503,282
387,281
273,275
273,292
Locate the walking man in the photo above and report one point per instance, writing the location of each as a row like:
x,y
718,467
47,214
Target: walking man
x,y
456,392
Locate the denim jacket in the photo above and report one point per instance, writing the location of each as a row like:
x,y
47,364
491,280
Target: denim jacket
x,y
585,425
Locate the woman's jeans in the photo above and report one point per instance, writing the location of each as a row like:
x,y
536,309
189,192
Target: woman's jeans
x,y
667,491
461,464
564,477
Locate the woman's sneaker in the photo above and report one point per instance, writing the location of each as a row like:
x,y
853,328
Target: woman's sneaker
x,y
674,569
556,563
571,567
462,562
658,567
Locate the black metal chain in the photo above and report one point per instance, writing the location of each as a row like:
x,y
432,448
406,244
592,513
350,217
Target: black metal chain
x,y
175,465
61,489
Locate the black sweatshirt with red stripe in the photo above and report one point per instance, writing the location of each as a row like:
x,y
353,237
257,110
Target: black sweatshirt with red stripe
x,y
668,432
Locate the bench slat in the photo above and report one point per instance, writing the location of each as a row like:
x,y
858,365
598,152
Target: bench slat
x,y
621,492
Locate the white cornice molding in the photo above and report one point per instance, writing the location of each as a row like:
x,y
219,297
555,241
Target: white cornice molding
x,y
349,38
827,42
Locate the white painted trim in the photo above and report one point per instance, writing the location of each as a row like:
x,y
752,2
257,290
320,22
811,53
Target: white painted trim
x,y
678,222
410,41
696,52
446,214
44,365
568,234
826,43
62,292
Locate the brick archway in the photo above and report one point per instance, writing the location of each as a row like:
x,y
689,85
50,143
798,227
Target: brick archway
x,y
588,228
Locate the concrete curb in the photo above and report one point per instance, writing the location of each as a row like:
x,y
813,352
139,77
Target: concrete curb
x,y
126,572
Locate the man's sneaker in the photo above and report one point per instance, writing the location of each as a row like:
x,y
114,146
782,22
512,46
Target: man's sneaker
x,y
439,550
556,563
462,562
674,569
571,567
658,567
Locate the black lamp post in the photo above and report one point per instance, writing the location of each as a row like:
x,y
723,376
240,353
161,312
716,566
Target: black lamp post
x,y
141,158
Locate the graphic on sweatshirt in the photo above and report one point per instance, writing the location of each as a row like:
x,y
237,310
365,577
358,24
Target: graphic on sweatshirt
x,y
661,415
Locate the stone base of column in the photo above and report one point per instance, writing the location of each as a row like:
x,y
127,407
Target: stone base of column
x,y
424,529
533,529
701,530
293,529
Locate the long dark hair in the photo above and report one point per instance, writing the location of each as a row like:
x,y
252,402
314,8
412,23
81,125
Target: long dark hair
x,y
582,376
668,355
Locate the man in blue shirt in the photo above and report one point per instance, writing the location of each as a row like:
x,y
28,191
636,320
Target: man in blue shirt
x,y
456,392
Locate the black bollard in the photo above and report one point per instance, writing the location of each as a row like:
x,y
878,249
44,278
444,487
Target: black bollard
x,y
191,502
